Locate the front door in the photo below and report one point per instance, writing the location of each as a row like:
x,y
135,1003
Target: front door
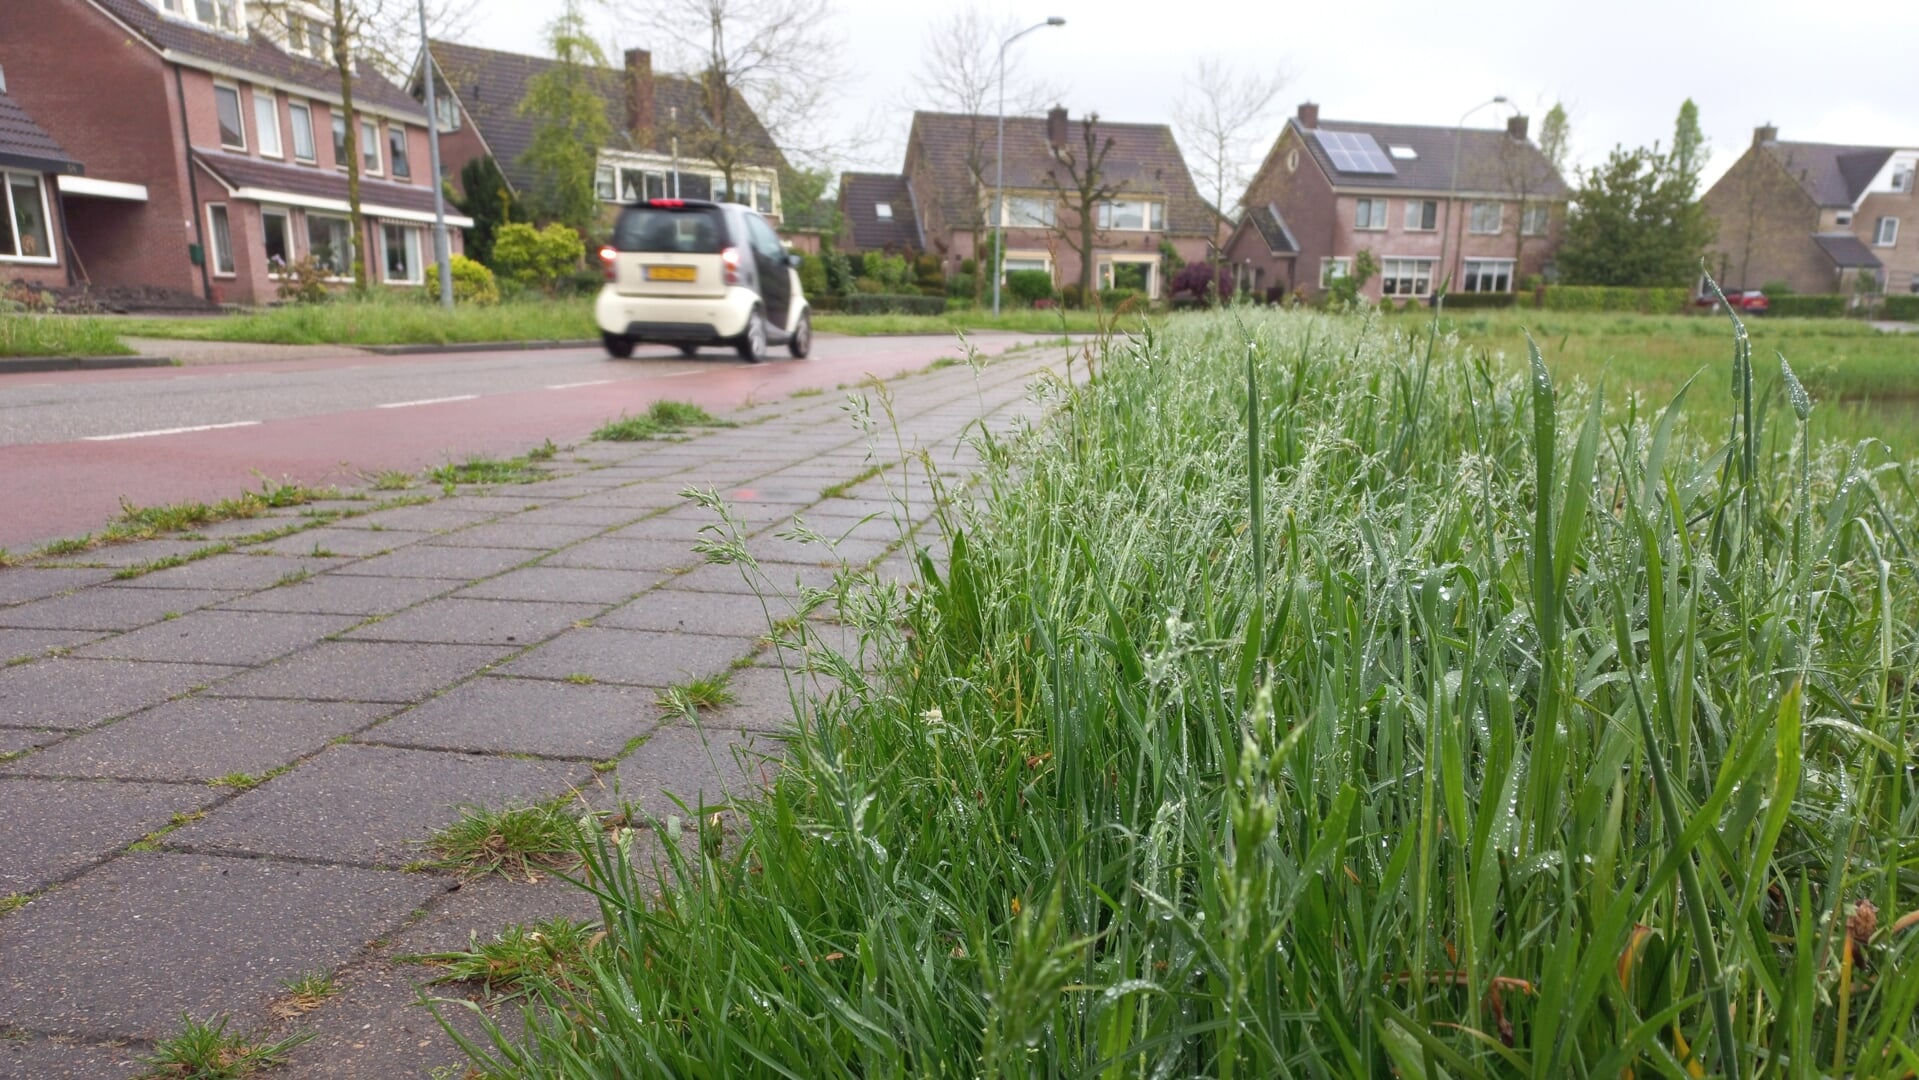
x,y
769,256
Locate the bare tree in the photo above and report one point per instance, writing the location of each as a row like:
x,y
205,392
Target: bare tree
x,y
777,60
1084,188
1221,114
377,38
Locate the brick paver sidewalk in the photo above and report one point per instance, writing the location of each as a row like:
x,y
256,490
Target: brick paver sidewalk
x,y
379,672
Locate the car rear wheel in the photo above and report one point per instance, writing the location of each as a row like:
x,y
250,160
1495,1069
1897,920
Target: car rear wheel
x,y
801,342
618,346
689,350
752,343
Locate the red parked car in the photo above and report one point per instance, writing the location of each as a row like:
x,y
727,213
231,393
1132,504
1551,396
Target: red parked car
x,y
1748,300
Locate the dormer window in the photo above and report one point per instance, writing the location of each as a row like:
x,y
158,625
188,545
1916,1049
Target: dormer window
x,y
228,16
1404,153
884,211
1902,178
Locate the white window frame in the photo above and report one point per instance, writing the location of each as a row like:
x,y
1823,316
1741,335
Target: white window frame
x,y
1044,260
443,103
11,224
1535,219
378,166
1416,215
352,252
293,249
296,108
883,211
763,196
239,113
1842,219
1885,233
1473,270
606,183
406,152
1105,271
1105,213
1902,178
213,242
336,121
266,121
188,11
1472,218
1412,275
1369,215
1332,268
1011,216
416,269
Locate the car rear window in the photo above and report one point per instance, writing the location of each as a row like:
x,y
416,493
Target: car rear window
x,y
687,230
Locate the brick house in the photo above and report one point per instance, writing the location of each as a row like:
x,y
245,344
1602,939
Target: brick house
x,y
205,149
32,167
877,214
1328,190
1817,217
480,117
947,188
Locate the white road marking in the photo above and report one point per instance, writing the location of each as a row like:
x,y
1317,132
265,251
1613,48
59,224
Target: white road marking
x,y
169,431
574,385
426,401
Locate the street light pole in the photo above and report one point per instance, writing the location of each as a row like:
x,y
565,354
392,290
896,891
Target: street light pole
x,y
999,159
442,243
1452,193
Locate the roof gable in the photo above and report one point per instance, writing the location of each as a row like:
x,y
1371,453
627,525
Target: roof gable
x,y
1422,159
1833,175
26,145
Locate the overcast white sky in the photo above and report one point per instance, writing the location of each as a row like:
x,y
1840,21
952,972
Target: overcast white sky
x,y
1824,74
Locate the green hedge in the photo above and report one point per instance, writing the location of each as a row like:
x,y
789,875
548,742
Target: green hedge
x,y
894,304
1665,301
1803,306
1901,308
1465,301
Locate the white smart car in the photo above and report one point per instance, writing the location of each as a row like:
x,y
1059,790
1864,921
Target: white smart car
x,y
689,273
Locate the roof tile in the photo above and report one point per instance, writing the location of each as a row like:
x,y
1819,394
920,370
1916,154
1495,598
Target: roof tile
x,y
1490,161
1833,175
25,143
860,195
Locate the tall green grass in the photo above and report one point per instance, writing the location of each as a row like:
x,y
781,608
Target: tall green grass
x,y
382,320
1309,699
58,335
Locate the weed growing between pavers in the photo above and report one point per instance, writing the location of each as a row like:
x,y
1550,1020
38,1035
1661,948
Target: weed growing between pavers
x,y
303,994
547,956
478,469
516,842
661,418
149,522
685,700
205,1051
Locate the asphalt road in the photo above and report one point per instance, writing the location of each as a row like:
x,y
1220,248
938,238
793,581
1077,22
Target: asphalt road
x,y
73,445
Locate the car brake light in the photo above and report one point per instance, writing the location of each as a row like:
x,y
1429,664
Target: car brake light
x,y
730,259
674,203
607,256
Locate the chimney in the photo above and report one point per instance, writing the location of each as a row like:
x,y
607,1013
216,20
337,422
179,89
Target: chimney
x,y
1516,128
639,95
1308,115
1764,134
1056,128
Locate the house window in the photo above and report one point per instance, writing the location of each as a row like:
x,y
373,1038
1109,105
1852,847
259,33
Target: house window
x,y
330,243
317,41
266,121
233,129
1405,277
370,147
1370,214
1156,217
1130,215
1902,178
692,186
1405,153
220,238
1331,270
219,14
1488,275
1842,219
400,254
277,226
339,138
1029,211
763,196
396,151
1887,233
1026,260
1138,275
447,109
1422,215
300,119
883,211
1534,218
638,184
603,184
1487,217
24,236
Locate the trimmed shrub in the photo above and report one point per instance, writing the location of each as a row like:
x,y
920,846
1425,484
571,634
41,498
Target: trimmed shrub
x,y
1471,300
894,273
1111,299
1807,306
1029,286
839,272
473,284
1661,301
813,275
1071,296
894,304
1203,283
960,287
1901,308
827,302
868,287
537,258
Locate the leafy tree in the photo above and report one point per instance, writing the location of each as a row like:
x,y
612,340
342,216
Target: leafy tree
x,y
488,200
1634,222
1688,146
803,201
1555,137
569,125
1205,282
1084,186
1344,291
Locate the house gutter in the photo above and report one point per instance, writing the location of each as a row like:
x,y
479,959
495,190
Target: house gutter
x,y
193,185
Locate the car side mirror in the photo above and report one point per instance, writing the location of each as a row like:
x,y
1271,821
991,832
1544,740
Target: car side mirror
x,y
793,260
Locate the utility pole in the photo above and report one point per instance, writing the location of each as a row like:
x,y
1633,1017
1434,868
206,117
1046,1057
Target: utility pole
x,y
442,243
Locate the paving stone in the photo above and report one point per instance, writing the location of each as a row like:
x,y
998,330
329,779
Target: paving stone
x,y
20,740
428,517
491,504
341,540
140,552
773,578
478,622
638,498
765,699
20,584
232,571
73,693
484,907
335,594
514,533
778,549
525,716
362,671
56,828
33,642
41,1057
606,553
372,804
702,766
678,611
573,512
128,948
557,584
429,561
202,738
633,657
681,529
585,484
380,1028
108,607
220,637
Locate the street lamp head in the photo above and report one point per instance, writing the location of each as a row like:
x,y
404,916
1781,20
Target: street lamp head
x,y
1499,99
1055,20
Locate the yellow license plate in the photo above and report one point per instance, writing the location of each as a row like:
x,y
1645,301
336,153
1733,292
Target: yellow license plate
x,y
671,273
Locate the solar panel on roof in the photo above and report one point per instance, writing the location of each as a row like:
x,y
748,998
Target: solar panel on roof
x,y
1355,152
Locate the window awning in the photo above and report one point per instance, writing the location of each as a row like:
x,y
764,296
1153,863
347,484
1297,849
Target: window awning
x,y
322,189
341,206
102,189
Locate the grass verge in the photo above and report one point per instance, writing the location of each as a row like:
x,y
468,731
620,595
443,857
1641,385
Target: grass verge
x,y
59,335
382,321
1302,704
1026,322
